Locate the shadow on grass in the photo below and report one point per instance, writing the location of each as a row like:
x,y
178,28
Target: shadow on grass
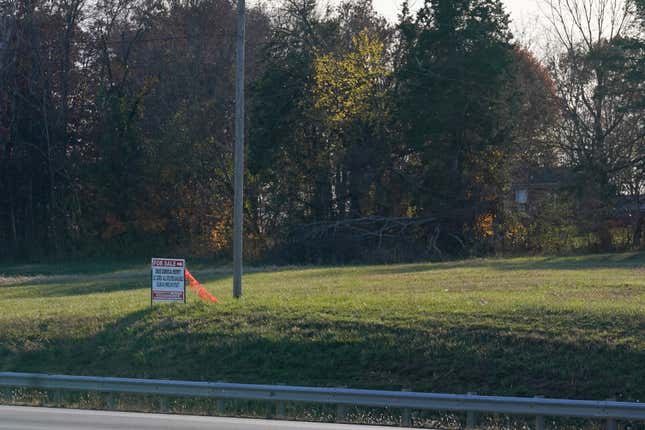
x,y
75,285
572,355
587,262
69,289
69,268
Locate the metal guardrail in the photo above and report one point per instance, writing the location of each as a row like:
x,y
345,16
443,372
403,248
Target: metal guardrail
x,y
471,403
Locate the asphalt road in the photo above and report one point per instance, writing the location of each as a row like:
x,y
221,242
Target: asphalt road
x,y
32,418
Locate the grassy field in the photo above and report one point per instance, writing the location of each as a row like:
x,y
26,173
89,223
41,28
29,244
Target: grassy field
x,y
562,327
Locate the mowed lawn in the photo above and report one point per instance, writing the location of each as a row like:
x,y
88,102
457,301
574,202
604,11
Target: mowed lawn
x,y
560,327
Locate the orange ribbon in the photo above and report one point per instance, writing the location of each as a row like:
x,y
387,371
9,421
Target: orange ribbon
x,y
199,289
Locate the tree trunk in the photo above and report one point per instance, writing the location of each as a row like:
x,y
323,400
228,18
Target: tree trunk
x,y
638,225
606,244
638,232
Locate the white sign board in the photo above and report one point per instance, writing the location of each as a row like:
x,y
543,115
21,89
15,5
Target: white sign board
x,y
168,282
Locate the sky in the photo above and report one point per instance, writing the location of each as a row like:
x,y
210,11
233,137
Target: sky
x,y
520,10
526,18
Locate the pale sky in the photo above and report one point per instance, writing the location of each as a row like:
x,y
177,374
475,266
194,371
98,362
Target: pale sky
x,y
519,9
526,17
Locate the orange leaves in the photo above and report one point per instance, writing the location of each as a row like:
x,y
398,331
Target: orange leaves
x,y
485,225
115,227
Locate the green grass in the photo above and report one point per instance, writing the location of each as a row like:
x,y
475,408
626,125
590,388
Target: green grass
x,y
558,327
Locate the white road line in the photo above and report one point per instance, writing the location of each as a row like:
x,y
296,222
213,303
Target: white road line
x,y
38,418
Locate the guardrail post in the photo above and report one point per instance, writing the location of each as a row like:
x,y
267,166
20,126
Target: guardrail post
x,y
279,410
221,406
539,423
341,413
471,420
110,401
7,394
163,405
471,417
539,419
406,420
611,422
58,397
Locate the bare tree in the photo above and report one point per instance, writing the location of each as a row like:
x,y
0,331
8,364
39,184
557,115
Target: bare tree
x,y
599,135
588,22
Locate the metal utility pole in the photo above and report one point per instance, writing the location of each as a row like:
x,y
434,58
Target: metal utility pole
x,y
239,153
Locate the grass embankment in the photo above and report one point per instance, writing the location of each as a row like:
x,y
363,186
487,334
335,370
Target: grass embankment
x,y
559,327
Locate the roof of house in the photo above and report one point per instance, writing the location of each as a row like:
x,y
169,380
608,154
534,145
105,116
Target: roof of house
x,y
544,177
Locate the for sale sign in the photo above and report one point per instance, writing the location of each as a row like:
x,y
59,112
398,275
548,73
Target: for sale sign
x,y
168,281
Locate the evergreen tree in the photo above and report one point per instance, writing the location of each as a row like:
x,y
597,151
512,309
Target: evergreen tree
x,y
456,56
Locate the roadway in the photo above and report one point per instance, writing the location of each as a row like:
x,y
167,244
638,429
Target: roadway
x,y
35,418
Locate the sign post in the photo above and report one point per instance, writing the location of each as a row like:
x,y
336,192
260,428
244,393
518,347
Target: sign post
x,y
168,283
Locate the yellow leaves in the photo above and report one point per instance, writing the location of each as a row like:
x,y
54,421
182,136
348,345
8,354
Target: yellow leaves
x,y
515,232
346,87
485,225
220,235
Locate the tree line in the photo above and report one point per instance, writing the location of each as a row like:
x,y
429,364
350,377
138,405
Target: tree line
x,y
439,135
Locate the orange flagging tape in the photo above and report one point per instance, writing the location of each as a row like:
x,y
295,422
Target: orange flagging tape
x,y
199,289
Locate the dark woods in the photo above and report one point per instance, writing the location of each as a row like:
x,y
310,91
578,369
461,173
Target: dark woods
x,y
437,136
